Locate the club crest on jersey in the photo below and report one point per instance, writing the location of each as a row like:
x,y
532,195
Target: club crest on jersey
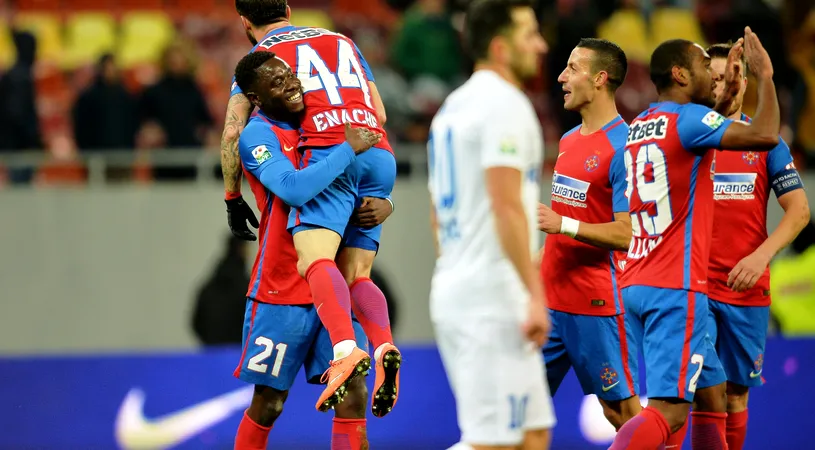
x,y
609,377
261,154
647,130
750,158
592,163
569,191
734,186
294,35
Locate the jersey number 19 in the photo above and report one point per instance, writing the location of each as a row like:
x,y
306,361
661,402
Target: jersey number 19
x,y
649,177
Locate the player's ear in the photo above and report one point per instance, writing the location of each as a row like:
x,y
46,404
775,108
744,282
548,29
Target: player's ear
x,y
288,12
254,99
246,24
680,75
600,79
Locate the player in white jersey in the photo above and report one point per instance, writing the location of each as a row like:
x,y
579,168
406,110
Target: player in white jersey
x,y
487,303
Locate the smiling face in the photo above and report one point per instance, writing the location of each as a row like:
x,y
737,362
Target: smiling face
x,y
277,92
576,79
701,83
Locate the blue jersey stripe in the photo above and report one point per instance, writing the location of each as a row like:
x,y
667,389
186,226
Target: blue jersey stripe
x,y
259,273
617,305
689,223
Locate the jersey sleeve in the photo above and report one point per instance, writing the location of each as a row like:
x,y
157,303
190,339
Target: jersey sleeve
x,y
781,170
262,157
364,64
700,127
234,90
504,142
617,178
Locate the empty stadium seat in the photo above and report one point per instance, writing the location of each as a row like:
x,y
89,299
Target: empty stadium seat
x,y
87,37
37,5
8,53
47,28
311,18
675,23
144,37
628,29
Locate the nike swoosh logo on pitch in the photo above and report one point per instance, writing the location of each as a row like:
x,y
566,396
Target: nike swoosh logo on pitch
x,y
134,431
608,388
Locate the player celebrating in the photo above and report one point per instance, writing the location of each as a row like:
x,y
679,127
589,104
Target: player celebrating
x,y
338,87
579,267
739,277
668,161
281,330
486,301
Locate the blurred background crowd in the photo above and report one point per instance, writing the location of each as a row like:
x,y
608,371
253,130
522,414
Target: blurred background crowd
x,y
80,76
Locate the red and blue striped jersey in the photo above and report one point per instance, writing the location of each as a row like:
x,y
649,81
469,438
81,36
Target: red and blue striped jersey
x,y
669,168
588,185
335,77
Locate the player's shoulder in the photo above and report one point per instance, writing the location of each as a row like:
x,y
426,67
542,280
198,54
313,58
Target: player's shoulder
x,y
616,133
570,135
257,130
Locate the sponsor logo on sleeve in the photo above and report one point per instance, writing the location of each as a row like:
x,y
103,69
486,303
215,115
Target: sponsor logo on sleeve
x,y
261,154
713,120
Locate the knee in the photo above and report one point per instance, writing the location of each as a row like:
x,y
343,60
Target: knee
x,y
264,411
355,402
712,399
676,419
736,397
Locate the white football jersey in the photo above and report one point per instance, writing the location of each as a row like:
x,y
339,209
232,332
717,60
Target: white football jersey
x,y
485,123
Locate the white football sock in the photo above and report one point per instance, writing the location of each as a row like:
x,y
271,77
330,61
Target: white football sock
x,y
343,349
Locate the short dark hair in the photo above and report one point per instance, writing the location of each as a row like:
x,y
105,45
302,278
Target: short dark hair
x,y
609,57
262,12
246,72
722,50
667,55
486,19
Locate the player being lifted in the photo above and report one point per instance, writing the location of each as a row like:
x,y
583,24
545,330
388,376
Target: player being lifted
x,y
282,331
739,277
338,87
486,300
587,225
668,158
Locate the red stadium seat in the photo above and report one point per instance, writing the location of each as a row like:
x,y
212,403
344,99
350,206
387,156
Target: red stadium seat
x,y
91,5
37,5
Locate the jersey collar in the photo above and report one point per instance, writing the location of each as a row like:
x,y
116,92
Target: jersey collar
x,y
274,32
614,122
276,123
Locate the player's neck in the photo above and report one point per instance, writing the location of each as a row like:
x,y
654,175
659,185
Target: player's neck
x,y
597,113
736,115
675,95
261,32
502,71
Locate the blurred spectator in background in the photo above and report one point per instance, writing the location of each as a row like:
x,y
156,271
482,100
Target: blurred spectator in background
x,y
793,286
802,58
176,102
105,114
19,125
221,302
427,44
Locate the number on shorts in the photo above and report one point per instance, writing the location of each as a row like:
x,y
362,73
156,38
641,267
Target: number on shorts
x,y
517,411
655,191
699,360
256,362
348,73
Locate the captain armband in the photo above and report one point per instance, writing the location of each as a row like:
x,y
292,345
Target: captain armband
x,y
786,181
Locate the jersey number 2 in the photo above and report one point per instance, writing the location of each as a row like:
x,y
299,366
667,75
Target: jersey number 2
x,y
347,74
256,362
649,177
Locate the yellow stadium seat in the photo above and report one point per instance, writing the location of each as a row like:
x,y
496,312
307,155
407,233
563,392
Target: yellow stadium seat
x,y
627,28
311,18
47,29
145,35
87,37
675,23
8,53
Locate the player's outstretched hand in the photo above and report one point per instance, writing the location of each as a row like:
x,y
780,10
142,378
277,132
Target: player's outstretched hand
x,y
732,72
548,220
372,212
537,325
747,272
758,60
238,212
361,139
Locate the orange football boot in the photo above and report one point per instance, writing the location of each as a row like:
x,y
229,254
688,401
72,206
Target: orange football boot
x,y
386,386
338,375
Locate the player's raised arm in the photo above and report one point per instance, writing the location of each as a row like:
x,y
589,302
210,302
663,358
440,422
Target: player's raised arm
x,y
762,133
238,211
262,156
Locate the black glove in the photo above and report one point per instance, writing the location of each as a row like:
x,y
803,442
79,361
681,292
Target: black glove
x,y
237,213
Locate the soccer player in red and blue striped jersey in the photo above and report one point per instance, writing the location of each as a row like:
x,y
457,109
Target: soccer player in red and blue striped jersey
x,y
669,155
588,225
